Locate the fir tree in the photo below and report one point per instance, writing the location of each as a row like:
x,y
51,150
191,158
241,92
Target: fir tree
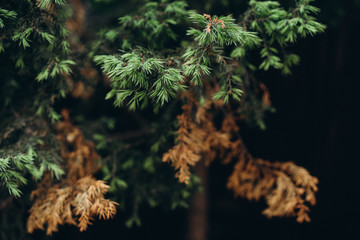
x,y
172,71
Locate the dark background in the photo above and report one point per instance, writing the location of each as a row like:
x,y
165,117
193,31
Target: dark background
x,y
314,126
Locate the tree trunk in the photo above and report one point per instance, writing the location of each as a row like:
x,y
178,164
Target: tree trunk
x,y
198,216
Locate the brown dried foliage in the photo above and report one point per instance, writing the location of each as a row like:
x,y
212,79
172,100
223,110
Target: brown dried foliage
x,y
211,22
286,187
197,137
77,198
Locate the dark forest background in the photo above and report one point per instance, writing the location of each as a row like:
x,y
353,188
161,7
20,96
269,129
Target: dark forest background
x,y
314,126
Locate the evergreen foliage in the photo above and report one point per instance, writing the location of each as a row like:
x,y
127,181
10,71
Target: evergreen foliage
x,y
154,61
30,51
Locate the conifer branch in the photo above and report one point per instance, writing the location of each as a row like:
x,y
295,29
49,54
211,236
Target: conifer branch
x,y
148,63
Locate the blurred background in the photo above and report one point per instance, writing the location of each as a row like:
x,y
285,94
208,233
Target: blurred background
x,y
313,126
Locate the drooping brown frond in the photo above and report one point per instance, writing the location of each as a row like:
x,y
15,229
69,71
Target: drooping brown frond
x,y
287,188
197,137
78,198
188,151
